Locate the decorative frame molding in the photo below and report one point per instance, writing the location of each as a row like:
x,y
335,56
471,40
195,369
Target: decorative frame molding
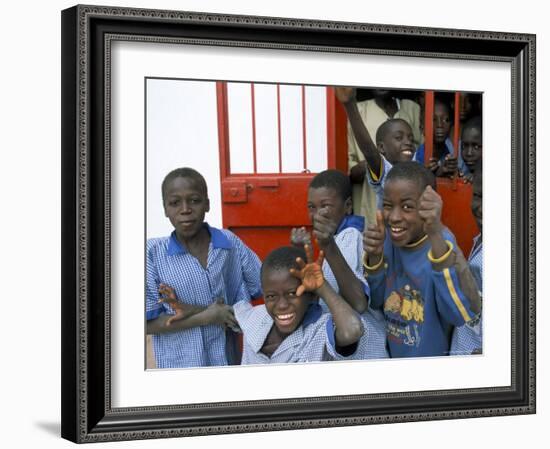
x,y
87,33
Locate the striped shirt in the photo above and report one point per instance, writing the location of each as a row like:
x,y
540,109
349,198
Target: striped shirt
x,y
232,273
469,338
312,341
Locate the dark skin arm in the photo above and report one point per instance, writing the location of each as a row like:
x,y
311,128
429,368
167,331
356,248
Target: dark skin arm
x,y
357,172
349,327
373,240
429,209
346,96
430,205
348,284
448,168
188,316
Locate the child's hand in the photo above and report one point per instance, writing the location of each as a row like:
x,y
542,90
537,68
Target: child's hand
x,y
429,209
311,274
345,94
300,237
433,165
168,296
222,314
468,178
373,239
323,228
449,166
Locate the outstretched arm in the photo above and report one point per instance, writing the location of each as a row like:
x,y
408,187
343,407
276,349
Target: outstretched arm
x,y
349,286
446,257
346,96
348,324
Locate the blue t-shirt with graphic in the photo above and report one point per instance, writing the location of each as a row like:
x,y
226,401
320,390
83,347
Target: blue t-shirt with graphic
x,y
421,305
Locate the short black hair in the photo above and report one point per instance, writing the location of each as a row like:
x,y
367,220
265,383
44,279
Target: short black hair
x,y
384,128
473,123
185,172
333,179
283,258
444,103
412,171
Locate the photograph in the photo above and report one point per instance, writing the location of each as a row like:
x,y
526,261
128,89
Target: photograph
x,y
270,153
302,197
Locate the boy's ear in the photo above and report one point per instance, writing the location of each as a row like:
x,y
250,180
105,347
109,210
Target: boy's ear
x,y
381,149
207,205
348,205
164,208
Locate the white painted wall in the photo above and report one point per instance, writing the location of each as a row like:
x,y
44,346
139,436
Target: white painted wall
x,y
182,131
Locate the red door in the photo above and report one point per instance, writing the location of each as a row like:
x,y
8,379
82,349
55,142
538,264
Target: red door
x,y
273,139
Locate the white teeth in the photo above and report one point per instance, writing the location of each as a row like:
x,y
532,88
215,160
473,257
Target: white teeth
x,y
285,317
396,229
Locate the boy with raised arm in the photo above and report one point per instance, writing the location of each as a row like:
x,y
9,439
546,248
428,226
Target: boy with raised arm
x,y
413,267
290,327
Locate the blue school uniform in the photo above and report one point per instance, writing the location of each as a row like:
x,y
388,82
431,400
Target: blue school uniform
x,y
469,338
312,341
449,150
377,180
421,305
232,273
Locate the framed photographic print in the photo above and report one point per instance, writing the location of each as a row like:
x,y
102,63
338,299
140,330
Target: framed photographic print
x,y
254,104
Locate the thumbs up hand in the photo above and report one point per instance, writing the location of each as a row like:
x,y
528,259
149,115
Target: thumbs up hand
x,y
373,239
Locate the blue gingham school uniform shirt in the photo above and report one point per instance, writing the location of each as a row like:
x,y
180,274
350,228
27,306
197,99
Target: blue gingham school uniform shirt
x,y
232,273
469,338
312,341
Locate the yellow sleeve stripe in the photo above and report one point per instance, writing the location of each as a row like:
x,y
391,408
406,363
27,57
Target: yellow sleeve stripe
x,y
376,177
454,295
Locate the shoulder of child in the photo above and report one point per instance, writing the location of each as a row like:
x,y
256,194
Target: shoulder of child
x,y
157,242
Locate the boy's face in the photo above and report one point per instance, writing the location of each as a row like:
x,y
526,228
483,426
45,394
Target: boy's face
x,y
476,201
401,215
185,204
397,144
465,105
471,147
287,310
330,201
442,123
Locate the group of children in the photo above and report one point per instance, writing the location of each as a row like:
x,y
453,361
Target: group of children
x,y
394,285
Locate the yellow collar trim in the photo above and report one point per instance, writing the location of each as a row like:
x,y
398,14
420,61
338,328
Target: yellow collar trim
x,y
418,242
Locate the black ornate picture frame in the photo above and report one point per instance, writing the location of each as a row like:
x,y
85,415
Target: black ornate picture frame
x,y
87,413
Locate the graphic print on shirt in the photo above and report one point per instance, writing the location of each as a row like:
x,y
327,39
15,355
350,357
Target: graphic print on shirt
x,y
404,310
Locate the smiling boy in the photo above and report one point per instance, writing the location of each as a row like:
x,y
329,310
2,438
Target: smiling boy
x,y
413,264
394,143
290,327
194,276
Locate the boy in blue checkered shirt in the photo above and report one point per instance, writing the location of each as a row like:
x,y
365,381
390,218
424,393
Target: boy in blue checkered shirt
x,y
290,327
467,339
194,277
339,234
